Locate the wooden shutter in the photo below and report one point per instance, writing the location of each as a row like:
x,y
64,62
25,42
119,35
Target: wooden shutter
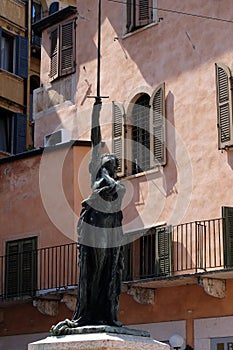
x,y
227,214
118,135
144,12
224,106
21,267
158,127
28,276
54,59
21,66
164,251
67,48
0,47
20,133
12,269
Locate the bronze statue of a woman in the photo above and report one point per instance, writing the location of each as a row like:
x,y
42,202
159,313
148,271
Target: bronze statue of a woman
x,y
99,241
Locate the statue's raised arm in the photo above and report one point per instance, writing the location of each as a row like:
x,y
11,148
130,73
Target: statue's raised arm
x,y
95,141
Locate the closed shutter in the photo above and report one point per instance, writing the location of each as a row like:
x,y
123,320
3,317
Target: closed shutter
x,y
0,47
21,267
54,53
21,66
164,251
67,48
12,269
224,106
158,127
28,267
118,135
20,133
144,11
227,214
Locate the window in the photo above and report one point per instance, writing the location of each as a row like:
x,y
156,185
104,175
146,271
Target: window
x,y
62,55
139,136
14,54
7,52
224,106
36,11
36,16
222,343
21,267
140,13
54,7
13,127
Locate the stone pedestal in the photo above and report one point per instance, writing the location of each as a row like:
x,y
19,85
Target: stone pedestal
x,y
98,341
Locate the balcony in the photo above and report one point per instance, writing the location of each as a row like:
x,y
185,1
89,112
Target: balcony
x,y
163,256
11,88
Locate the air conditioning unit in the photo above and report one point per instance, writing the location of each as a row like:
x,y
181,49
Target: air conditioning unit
x,y
57,137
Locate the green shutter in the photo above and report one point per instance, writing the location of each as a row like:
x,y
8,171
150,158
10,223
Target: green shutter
x,y
227,214
67,48
224,106
28,267
20,133
144,12
21,267
164,251
54,59
12,269
158,127
118,135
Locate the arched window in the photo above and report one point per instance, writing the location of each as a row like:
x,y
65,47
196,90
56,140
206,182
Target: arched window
x,y
54,7
139,138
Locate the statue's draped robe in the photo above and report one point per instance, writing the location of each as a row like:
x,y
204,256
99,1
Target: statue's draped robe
x,y
100,238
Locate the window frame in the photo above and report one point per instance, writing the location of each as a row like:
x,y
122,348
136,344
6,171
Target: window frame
x,y
58,50
6,135
19,54
225,341
15,133
131,15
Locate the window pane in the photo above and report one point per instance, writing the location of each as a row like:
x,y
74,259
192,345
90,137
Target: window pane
x,y
21,267
7,52
141,135
6,119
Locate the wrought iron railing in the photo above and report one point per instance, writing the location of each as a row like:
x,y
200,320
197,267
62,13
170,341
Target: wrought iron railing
x,y
184,249
188,248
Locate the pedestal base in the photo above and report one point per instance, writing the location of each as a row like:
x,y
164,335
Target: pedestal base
x,y
100,341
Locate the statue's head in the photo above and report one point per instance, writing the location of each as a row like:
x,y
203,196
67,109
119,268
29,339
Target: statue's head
x,y
110,162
